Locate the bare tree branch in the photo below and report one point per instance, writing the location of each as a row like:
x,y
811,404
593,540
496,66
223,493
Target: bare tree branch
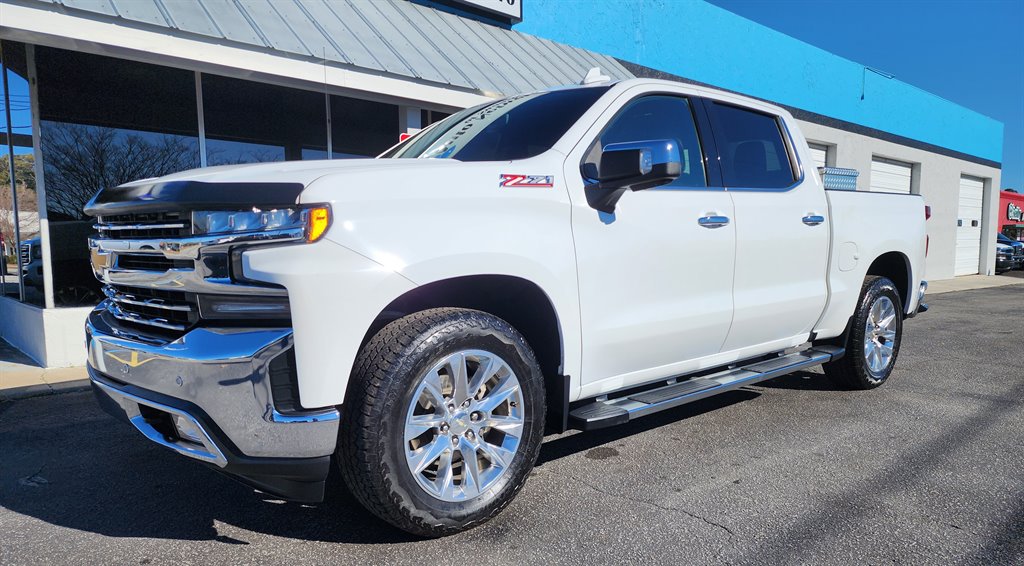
x,y
80,160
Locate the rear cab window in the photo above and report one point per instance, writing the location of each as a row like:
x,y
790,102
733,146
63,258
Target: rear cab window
x,y
753,152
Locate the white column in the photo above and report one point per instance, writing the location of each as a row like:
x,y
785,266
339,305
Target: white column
x,y
201,119
327,113
37,152
409,120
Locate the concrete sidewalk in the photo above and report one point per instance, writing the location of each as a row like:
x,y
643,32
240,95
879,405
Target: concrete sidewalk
x,y
969,282
20,376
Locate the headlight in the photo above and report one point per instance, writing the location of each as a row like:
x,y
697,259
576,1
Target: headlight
x,y
313,221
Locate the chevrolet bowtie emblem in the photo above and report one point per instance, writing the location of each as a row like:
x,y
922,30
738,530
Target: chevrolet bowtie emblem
x,y
133,362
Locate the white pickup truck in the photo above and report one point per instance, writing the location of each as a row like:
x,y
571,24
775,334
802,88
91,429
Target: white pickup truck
x,y
574,258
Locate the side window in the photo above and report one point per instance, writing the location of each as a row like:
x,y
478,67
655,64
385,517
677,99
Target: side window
x,y
658,118
752,150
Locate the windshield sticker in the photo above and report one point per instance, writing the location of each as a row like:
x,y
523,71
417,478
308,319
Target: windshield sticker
x,y
544,181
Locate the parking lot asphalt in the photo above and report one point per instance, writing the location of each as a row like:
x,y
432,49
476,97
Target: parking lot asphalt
x,y
928,469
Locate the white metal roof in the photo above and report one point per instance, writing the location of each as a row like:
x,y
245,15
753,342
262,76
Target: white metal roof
x,y
391,37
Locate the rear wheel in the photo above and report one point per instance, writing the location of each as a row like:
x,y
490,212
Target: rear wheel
x,y
443,420
874,339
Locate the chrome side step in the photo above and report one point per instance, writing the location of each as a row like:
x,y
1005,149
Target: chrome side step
x,y
610,412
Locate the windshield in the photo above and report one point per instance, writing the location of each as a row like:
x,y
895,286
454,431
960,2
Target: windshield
x,y
516,127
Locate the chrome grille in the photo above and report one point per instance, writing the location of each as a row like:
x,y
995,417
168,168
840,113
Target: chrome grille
x,y
144,225
155,271
169,310
26,254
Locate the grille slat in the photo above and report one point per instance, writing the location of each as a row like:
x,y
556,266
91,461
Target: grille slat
x,y
148,225
151,262
170,310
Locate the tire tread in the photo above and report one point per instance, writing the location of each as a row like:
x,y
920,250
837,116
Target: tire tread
x,y
361,446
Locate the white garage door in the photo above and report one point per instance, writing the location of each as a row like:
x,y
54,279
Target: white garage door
x,y
819,153
968,230
888,176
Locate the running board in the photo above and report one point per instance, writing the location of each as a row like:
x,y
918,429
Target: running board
x,y
610,412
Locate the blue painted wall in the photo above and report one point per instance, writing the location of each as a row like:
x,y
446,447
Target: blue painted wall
x,y
705,43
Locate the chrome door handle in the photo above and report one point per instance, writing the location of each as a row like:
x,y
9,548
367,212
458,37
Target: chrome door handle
x,y
813,219
711,221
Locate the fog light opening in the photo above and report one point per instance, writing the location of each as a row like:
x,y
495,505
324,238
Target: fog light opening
x,y
187,430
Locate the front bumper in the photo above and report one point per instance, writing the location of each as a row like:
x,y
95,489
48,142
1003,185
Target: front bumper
x,y
215,383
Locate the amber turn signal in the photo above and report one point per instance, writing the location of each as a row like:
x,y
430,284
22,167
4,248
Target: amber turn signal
x,y
319,220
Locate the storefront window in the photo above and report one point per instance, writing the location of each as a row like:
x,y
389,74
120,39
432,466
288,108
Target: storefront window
x,y
362,128
104,122
13,242
249,122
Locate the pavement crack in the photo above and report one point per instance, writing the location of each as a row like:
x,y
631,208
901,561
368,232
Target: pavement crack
x,y
34,479
708,521
624,497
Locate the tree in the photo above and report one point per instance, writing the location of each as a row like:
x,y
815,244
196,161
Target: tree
x,y
80,160
25,179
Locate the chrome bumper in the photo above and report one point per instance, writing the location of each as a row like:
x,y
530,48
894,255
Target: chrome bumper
x,y
921,305
216,378
202,448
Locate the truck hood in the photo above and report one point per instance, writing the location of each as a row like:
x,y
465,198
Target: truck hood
x,y
304,172
233,186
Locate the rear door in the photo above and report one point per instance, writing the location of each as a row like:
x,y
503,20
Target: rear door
x,y
782,229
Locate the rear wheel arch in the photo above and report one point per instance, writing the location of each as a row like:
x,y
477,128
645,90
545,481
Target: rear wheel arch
x,y
896,267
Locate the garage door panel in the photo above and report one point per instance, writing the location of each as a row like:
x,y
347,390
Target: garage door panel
x,y
890,177
968,231
819,154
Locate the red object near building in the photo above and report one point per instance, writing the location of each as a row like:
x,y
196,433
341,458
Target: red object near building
x,y
1011,214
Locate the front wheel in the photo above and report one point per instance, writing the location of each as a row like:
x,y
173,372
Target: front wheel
x,y
443,421
874,338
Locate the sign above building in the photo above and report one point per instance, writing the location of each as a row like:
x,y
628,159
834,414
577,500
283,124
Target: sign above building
x,y
1014,212
507,10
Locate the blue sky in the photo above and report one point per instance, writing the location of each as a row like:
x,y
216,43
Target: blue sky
x,y
21,117
968,52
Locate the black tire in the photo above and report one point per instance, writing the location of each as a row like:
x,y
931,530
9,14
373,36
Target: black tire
x,y
853,370
371,450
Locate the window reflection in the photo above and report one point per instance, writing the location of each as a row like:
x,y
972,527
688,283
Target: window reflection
x,y
362,128
17,231
104,122
248,122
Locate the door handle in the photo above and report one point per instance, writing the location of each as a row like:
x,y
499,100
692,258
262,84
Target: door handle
x,y
713,221
813,219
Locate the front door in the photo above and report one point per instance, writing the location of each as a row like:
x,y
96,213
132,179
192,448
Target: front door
x,y
655,282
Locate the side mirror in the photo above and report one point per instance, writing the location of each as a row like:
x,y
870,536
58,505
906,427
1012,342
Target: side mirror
x,y
630,166
639,165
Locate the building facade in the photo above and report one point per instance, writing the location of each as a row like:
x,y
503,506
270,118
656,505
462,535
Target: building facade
x,y
120,90
1011,215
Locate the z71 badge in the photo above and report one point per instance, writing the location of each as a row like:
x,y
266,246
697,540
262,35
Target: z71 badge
x,y
543,181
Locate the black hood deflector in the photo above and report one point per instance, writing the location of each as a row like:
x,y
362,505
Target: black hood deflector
x,y
171,196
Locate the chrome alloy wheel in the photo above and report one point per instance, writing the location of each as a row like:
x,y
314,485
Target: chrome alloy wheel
x,y
880,335
464,425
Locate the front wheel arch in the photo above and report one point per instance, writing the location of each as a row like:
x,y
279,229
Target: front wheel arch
x,y
520,302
